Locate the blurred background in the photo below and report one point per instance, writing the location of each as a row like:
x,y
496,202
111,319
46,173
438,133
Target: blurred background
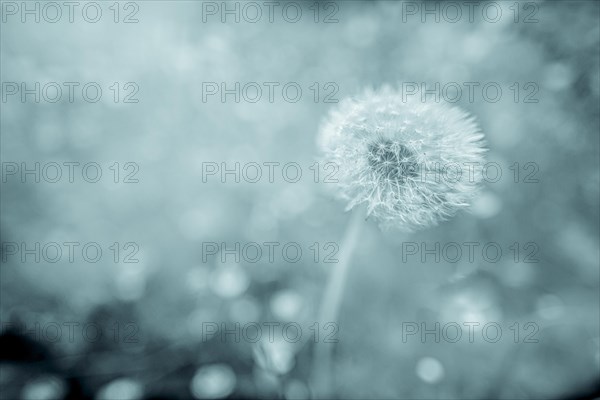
x,y
138,322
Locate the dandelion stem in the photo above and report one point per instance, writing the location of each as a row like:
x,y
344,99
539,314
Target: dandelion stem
x,y
321,372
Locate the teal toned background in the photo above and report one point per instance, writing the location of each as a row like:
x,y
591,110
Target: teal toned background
x,y
171,212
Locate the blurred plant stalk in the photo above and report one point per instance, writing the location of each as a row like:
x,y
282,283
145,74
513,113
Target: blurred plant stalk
x,y
322,371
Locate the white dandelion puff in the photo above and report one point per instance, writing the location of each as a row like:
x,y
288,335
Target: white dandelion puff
x,y
410,164
413,164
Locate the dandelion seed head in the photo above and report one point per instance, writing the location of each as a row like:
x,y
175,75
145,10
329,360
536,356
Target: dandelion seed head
x,y
412,163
